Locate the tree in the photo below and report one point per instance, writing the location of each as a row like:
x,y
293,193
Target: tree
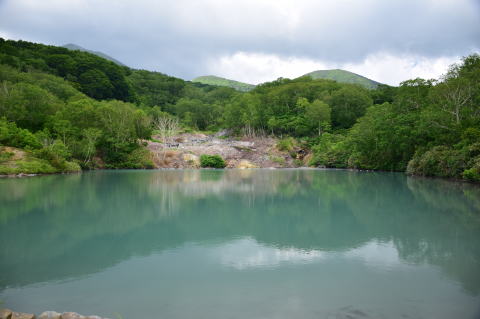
x,y
91,136
318,114
348,104
167,127
96,84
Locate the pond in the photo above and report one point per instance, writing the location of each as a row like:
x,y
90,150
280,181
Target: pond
x,y
293,243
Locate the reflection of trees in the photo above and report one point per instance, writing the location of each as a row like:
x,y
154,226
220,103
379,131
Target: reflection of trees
x,y
110,216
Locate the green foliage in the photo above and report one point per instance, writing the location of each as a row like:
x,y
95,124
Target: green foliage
x,y
430,128
218,81
286,144
71,106
91,74
348,104
12,135
473,174
28,105
213,161
439,161
72,46
32,166
331,151
139,158
156,89
68,124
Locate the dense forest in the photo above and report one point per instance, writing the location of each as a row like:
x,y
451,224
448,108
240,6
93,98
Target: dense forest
x,y
70,109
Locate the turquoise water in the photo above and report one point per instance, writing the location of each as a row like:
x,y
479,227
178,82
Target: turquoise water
x,y
241,244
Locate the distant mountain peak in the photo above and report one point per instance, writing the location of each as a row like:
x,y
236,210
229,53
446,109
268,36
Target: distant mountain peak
x,y
343,76
72,46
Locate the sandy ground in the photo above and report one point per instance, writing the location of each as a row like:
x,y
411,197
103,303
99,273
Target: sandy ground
x,y
184,150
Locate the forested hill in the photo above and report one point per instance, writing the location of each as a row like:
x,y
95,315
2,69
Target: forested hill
x,y
219,81
72,46
343,76
65,109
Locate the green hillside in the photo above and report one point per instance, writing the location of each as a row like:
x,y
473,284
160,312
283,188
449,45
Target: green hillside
x,y
216,80
343,77
72,46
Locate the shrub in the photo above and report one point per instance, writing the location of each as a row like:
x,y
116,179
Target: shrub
x,y
70,167
331,150
35,166
439,161
286,144
473,174
213,161
139,158
297,163
55,153
11,135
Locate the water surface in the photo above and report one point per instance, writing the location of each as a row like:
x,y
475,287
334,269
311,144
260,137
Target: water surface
x,y
241,244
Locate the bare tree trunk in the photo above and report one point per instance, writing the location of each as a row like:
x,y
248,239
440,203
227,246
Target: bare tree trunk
x,y
167,127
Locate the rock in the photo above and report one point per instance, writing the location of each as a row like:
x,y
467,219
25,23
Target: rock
x,y
21,315
246,164
93,317
5,314
191,159
71,315
50,315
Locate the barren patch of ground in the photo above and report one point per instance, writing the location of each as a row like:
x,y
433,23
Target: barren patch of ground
x,y
184,150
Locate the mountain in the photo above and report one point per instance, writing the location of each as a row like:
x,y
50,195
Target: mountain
x,y
72,46
218,81
343,77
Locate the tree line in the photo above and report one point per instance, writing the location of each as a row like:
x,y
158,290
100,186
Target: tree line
x,y
84,109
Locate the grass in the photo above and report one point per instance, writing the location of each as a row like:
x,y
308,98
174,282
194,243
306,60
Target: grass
x,y
286,144
278,159
15,161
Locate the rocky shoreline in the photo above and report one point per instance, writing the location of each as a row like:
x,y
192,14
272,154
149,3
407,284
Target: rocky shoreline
x,y
9,314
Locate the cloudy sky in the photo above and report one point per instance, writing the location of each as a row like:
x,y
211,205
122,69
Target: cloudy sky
x,y
258,40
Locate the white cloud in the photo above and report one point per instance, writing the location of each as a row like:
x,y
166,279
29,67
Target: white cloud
x,y
386,68
286,37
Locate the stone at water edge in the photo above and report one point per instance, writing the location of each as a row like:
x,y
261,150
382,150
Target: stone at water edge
x,y
72,315
50,315
5,314
193,159
246,164
21,315
93,317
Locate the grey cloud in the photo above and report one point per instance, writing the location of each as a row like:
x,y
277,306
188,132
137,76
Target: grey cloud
x,y
178,37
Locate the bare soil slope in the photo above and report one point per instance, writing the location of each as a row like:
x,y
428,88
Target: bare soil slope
x,y
184,150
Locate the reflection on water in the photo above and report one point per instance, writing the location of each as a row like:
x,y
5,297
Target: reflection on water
x,y
287,243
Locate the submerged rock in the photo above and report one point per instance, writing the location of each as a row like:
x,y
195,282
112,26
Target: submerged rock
x,y
21,315
50,315
5,314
